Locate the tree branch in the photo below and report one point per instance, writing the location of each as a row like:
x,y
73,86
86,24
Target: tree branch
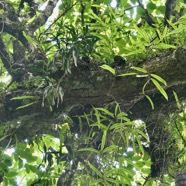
x,y
43,17
5,57
60,16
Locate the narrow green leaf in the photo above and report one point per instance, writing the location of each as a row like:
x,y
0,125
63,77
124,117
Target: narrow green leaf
x,y
133,52
128,74
110,172
105,111
176,30
140,144
159,78
125,174
144,86
159,34
31,40
95,169
110,69
24,97
143,33
150,100
139,69
110,148
89,149
110,180
99,125
27,105
142,134
165,32
160,88
103,139
123,116
129,123
116,126
164,46
129,161
94,16
116,109
177,100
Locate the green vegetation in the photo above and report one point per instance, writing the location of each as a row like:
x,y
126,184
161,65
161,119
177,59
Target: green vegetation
x,y
92,92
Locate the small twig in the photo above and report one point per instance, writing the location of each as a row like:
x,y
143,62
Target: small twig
x,y
130,8
3,24
62,14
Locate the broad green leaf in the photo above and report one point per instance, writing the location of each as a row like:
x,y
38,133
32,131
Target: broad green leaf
x,y
1,11
139,69
11,174
33,168
110,69
159,78
136,158
3,166
160,88
150,100
161,9
27,168
89,149
146,171
151,6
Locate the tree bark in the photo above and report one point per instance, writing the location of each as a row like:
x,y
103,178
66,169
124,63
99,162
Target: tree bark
x,y
89,86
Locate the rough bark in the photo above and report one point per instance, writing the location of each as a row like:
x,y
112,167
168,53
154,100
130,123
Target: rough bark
x,y
180,178
88,86
95,87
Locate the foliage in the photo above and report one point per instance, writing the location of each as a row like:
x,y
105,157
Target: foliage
x,y
104,146
110,151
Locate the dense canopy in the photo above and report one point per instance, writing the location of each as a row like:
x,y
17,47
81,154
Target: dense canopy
x,y
92,92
